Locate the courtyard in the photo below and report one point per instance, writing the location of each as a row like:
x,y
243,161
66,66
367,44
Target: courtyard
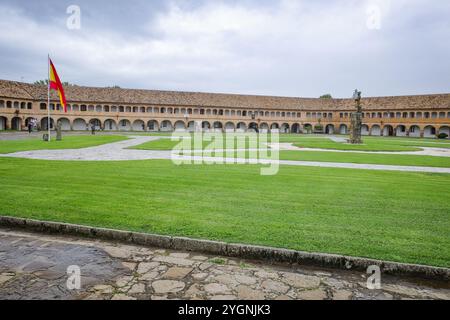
x,y
396,210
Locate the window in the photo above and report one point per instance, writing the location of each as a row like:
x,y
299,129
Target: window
x,y
43,106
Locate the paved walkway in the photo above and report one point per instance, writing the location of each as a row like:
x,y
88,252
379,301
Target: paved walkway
x,y
33,266
119,151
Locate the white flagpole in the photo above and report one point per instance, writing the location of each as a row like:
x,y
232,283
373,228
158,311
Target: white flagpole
x,y
48,100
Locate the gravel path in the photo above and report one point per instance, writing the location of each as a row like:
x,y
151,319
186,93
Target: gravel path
x,y
34,266
118,152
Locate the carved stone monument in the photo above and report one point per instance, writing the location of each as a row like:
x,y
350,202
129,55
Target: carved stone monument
x,y
58,131
356,120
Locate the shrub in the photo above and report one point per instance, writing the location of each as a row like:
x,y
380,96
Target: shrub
x,y
442,136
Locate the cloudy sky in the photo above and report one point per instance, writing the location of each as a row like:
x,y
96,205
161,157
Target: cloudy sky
x,y
287,47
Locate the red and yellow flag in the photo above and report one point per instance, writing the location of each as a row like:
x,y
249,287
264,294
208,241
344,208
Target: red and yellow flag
x,y
56,84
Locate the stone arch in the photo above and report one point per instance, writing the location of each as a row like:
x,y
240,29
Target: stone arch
x,y
241,127
124,125
275,127
400,131
138,125
388,131
296,128
343,129
191,126
153,125
180,126
264,127
229,127
253,126
96,123
16,123
329,129
285,128
3,123
218,126
206,126
375,130
65,124
45,122
429,132
364,130
166,126
414,131
445,129
110,125
308,128
79,124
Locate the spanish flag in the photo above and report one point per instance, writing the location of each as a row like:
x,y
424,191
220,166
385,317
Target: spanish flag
x,y
56,84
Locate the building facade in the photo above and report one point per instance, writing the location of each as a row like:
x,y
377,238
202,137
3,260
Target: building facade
x,y
116,109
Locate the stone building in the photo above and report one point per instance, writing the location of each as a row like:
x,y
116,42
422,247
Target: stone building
x,y
116,109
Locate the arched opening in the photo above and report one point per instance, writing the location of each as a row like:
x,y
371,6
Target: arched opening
x,y
429,132
296,128
65,124
329,129
229,127
166,126
264,127
45,123
153,125
124,125
253,127
138,125
414,131
16,123
375,130
400,131
343,129
79,125
241,127
96,123
285,128
307,128
180,126
388,131
110,125
364,130
206,126
191,126
218,126
446,130
274,127
3,122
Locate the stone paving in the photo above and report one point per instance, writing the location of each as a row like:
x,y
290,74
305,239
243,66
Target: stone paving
x,y
119,151
33,266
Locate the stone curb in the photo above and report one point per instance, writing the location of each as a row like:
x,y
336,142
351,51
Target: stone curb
x,y
230,249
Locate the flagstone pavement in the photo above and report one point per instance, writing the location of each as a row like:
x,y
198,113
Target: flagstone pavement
x,y
34,266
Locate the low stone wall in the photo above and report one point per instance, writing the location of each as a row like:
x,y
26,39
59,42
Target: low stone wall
x,y
267,254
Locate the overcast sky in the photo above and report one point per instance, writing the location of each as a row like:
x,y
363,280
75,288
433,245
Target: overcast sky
x,y
288,48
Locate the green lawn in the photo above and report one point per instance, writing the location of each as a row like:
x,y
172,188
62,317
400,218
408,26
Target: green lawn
x,y
68,142
321,156
370,143
384,159
385,215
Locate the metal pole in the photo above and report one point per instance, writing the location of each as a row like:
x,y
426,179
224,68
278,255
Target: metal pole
x,y
48,99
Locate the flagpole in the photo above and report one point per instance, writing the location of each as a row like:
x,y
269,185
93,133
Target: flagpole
x,y
48,99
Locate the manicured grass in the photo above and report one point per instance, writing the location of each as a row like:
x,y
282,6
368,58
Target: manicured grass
x,y
370,143
385,159
385,215
68,142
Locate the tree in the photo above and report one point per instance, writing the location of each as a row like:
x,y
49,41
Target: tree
x,y
326,96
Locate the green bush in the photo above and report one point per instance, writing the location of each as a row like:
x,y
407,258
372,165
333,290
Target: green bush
x,y
442,136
